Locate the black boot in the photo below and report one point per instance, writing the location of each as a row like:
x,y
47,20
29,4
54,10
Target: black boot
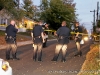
x,y
7,55
63,60
34,59
14,57
54,59
78,54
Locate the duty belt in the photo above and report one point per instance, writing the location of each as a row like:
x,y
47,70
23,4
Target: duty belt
x,y
10,37
62,37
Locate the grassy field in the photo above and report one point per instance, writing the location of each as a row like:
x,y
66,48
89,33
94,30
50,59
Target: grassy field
x,y
20,38
2,33
91,66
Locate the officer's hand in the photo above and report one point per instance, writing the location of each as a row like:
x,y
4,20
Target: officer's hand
x,y
55,33
16,26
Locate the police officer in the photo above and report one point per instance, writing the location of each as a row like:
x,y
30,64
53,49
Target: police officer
x,y
46,27
63,34
78,38
10,38
38,41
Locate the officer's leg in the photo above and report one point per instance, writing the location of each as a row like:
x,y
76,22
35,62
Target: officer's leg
x,y
46,41
40,51
78,48
8,51
35,52
14,51
44,44
64,50
57,50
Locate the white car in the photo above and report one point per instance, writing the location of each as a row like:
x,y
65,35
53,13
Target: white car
x,y
5,68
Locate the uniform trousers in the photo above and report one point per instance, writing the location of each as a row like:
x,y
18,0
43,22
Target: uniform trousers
x,y
63,48
37,52
11,48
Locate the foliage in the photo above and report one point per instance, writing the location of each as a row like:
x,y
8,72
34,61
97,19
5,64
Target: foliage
x,y
7,4
2,33
12,8
29,8
91,66
55,11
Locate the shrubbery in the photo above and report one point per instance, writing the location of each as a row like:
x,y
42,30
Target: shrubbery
x,y
91,66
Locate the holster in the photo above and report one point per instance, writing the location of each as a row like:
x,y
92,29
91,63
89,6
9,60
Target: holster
x,y
10,39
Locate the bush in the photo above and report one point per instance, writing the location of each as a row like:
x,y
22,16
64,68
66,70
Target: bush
x,y
91,66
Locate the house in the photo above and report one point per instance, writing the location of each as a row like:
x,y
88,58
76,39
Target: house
x,y
4,17
28,23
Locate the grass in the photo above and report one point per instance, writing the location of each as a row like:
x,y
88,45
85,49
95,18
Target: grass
x,y
2,33
91,66
19,38
25,33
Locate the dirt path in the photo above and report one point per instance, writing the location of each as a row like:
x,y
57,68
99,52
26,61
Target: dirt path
x,y
26,66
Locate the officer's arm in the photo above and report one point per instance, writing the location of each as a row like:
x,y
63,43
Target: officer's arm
x,y
16,28
77,34
78,31
32,35
57,32
42,33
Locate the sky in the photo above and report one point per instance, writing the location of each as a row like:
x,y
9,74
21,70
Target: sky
x,y
83,8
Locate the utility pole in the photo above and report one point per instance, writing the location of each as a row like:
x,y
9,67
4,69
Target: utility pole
x,y
93,20
97,13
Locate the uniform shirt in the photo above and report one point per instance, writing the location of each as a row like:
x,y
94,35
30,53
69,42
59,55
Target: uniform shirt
x,y
37,30
78,29
11,30
65,32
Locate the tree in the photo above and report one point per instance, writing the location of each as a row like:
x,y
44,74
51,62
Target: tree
x,y
12,8
55,11
7,4
29,8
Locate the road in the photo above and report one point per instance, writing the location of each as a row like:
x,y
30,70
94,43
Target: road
x,y
26,66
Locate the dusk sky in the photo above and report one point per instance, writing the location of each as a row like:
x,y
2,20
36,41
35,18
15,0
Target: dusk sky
x,y
83,9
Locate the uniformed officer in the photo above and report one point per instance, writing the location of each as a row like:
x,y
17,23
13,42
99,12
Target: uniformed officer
x,y
46,27
10,38
78,38
38,41
63,34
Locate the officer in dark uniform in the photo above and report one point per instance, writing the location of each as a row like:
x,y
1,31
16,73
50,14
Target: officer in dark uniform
x,y
38,41
63,34
10,38
46,27
78,38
